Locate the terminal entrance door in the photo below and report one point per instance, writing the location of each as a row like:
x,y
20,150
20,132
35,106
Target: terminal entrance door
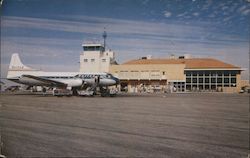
x,y
177,86
124,86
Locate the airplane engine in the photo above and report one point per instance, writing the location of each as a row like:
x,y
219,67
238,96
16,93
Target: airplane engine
x,y
76,83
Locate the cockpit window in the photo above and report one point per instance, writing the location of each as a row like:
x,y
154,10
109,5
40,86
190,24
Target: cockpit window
x,y
108,76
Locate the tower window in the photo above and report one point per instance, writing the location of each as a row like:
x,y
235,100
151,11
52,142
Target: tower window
x,y
103,60
92,60
93,48
85,60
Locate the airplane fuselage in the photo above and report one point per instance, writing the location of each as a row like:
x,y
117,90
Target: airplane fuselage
x,y
71,79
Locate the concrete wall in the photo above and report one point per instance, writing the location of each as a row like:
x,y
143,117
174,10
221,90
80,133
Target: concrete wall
x,y
238,81
90,66
244,83
101,63
149,72
230,90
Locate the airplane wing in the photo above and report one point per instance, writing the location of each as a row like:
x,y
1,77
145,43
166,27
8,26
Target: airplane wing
x,y
47,81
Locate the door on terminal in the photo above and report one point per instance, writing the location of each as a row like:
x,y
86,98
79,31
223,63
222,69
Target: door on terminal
x,y
124,86
178,86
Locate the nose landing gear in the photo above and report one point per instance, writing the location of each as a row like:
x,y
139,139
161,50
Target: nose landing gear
x,y
106,92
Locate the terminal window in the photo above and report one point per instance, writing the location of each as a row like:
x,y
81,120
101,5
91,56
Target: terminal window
x,y
206,80
201,74
233,73
226,73
219,80
233,85
188,73
226,80
219,74
194,73
200,80
213,74
194,80
213,80
233,80
188,80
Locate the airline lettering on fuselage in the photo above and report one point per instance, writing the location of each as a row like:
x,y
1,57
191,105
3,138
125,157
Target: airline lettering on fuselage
x,y
87,76
17,67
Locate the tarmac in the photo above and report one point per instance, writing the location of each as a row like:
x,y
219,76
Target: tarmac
x,y
129,125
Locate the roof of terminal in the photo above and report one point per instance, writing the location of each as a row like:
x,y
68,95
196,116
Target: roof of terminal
x,y
193,63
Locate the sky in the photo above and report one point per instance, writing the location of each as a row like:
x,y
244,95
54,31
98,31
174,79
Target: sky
x,y
48,34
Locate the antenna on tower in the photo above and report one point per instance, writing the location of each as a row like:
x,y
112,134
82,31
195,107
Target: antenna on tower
x,y
104,35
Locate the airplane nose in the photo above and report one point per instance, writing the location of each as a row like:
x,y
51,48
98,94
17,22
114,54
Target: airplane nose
x,y
117,81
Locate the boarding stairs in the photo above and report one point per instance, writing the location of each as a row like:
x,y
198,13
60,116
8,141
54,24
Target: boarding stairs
x,y
90,91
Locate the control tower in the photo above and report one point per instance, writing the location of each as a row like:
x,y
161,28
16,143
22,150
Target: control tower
x,y
95,58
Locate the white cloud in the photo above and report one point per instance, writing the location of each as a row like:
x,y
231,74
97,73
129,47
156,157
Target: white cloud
x,y
167,14
242,8
94,26
196,14
227,18
245,12
182,14
207,4
224,7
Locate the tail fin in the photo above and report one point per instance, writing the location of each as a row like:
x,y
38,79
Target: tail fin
x,y
16,64
17,68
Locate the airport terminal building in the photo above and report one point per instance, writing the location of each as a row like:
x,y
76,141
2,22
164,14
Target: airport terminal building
x,y
173,74
182,74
